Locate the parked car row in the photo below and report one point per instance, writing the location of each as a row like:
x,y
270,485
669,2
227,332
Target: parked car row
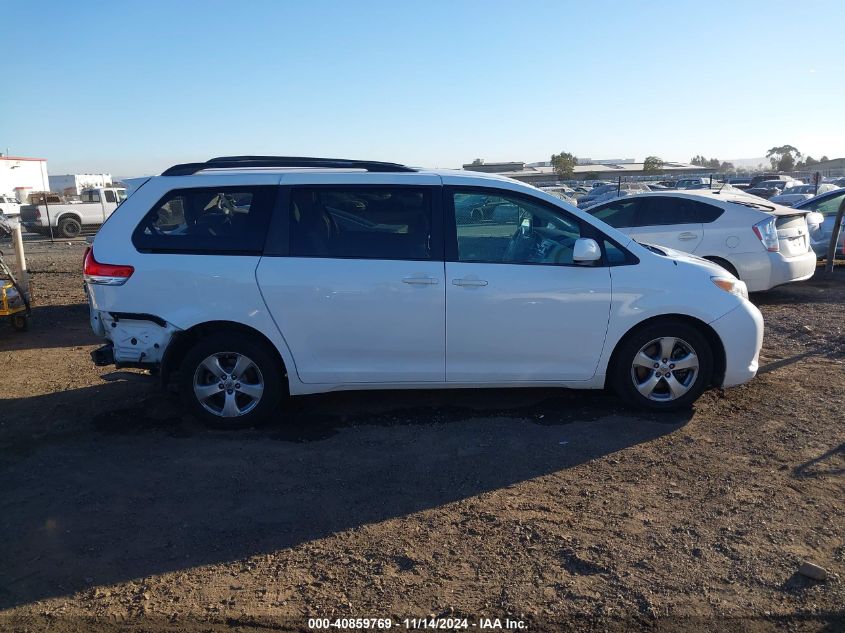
x,y
762,244
793,195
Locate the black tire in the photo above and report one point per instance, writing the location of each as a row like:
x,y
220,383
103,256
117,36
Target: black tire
x,y
19,322
232,343
622,373
724,264
70,227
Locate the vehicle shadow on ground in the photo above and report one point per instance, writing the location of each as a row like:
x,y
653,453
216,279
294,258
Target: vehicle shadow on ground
x,y
131,487
811,291
50,326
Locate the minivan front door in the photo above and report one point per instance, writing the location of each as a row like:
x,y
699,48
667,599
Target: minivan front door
x,y
359,297
518,309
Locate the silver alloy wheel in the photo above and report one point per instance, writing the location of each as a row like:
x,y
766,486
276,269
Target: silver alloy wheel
x,y
665,369
228,384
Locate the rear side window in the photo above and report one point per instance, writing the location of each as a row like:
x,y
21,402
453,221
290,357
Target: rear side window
x,y
665,210
619,214
213,220
110,197
361,222
90,196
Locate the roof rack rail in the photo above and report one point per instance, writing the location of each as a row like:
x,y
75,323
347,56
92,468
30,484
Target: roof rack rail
x,y
232,162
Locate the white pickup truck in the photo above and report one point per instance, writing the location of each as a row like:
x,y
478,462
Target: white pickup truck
x,y
68,220
10,206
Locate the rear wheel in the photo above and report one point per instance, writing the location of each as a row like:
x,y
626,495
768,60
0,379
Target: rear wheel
x,y
70,227
724,264
230,381
663,366
20,322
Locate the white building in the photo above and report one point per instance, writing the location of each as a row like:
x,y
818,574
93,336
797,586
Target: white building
x,y
20,176
73,184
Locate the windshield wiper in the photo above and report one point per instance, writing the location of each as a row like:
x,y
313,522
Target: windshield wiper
x,y
653,249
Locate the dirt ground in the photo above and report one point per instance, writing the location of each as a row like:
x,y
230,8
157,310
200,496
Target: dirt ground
x,y
562,510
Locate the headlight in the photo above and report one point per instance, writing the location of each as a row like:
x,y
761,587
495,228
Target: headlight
x,y
731,285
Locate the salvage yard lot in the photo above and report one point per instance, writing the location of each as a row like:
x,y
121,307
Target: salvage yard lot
x,y
552,506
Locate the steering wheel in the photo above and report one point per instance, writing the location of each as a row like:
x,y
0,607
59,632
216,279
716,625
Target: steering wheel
x,y
523,245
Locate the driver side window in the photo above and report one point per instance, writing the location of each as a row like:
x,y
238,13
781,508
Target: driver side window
x,y
503,229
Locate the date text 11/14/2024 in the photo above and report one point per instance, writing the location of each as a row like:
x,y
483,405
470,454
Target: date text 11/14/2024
x,y
418,624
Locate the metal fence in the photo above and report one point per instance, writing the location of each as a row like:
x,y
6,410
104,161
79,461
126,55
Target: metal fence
x,y
805,175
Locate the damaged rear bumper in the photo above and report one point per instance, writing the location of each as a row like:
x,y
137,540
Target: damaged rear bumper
x,y
133,340
103,356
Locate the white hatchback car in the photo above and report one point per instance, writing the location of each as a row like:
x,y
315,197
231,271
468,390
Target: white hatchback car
x,y
761,243
245,278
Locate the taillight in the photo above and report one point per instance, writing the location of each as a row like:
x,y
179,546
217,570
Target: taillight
x,y
104,274
767,232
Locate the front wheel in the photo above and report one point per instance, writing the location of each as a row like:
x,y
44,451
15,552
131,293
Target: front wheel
x,y
663,366
230,381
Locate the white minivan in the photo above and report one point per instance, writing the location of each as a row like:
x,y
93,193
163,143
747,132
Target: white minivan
x,y
244,279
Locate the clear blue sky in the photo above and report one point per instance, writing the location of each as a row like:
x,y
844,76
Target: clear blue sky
x,y
132,87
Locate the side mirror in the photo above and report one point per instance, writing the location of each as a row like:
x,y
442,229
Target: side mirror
x,y
586,251
814,220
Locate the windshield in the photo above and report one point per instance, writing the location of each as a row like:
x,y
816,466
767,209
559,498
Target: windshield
x,y
801,189
121,194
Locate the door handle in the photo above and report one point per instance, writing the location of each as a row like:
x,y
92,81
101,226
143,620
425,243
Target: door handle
x,y
422,281
469,282
688,236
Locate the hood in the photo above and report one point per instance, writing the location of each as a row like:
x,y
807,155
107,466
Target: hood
x,y
688,258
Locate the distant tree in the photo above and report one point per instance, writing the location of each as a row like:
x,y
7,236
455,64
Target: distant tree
x,y
783,158
713,164
810,161
564,164
786,163
726,167
652,165
477,161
